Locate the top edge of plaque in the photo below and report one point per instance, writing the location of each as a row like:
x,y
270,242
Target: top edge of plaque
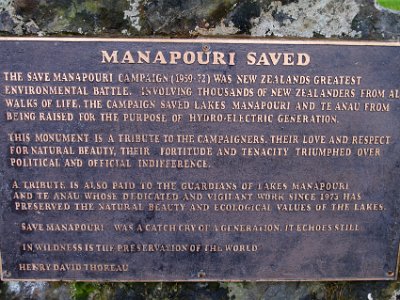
x,y
216,40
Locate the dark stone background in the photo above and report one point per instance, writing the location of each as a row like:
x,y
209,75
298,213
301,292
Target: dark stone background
x,y
349,19
344,19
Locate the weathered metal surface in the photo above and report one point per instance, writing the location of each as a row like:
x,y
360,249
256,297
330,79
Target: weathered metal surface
x,y
199,160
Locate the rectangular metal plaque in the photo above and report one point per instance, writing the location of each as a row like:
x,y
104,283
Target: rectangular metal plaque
x,y
167,160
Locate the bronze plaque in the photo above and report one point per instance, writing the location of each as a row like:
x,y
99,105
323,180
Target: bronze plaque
x,y
188,160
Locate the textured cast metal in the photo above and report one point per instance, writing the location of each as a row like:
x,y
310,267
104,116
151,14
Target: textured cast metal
x,y
370,253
